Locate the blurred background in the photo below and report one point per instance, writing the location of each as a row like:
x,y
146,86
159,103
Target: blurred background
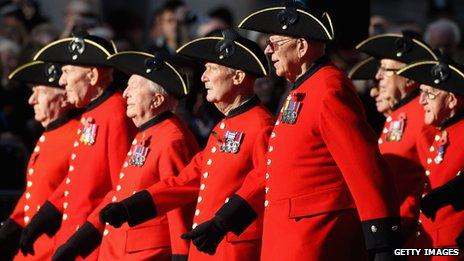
x,y
154,25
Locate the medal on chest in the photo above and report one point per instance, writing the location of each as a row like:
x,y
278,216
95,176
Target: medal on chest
x,y
232,141
443,142
396,128
290,109
89,131
139,153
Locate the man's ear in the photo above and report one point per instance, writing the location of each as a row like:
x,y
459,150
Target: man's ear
x,y
239,76
452,101
157,101
302,47
93,75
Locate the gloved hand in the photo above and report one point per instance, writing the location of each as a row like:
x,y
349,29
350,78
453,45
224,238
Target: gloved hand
x,y
47,220
65,252
134,210
434,200
81,243
207,236
10,234
115,214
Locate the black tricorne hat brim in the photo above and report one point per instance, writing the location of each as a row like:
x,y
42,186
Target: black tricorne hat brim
x,y
34,73
247,57
421,73
307,25
365,69
383,47
132,62
95,54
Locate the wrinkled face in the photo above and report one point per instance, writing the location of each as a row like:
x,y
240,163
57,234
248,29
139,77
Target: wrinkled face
x,y
47,103
382,106
435,103
76,81
284,57
139,97
219,83
389,84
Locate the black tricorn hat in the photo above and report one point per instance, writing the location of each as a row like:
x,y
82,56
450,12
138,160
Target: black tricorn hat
x,y
80,49
404,47
439,74
365,69
231,50
155,68
291,20
38,73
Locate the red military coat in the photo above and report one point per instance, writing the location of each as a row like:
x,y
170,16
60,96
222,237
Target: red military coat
x,y
322,171
45,171
99,149
400,144
167,147
235,147
443,231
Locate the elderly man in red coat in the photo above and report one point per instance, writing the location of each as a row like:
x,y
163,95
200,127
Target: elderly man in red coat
x,y
442,98
329,193
100,144
404,129
235,147
46,169
161,149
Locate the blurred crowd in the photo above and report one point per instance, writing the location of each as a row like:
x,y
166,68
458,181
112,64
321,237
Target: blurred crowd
x,y
24,30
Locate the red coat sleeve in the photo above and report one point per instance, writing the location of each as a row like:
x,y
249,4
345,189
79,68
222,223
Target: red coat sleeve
x,y
173,159
353,146
174,192
57,197
253,187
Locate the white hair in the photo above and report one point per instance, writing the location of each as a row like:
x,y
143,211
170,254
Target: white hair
x,y
169,101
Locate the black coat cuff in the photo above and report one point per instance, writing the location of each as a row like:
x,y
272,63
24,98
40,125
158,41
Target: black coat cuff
x,y
85,240
10,235
11,229
139,207
236,214
51,218
179,258
382,234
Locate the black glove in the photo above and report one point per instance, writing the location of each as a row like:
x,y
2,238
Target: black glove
x,y
234,216
10,233
115,214
433,201
207,236
47,220
179,258
460,240
134,210
451,193
81,243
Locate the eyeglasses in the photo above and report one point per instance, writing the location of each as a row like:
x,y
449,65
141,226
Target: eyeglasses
x,y
276,44
428,95
387,71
